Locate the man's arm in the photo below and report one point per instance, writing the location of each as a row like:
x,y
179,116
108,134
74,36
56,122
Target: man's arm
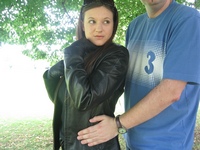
x,y
162,96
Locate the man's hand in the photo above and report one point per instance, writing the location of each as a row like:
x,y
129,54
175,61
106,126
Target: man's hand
x,y
105,130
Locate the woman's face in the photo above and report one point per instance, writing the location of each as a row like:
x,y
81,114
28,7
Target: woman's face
x,y
98,25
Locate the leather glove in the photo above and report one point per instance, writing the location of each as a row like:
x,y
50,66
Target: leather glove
x,y
85,44
56,70
81,47
75,53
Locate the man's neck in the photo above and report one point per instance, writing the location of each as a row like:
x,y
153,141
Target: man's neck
x,y
156,9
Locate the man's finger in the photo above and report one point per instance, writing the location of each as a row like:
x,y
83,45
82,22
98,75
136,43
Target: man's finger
x,y
86,131
90,142
97,119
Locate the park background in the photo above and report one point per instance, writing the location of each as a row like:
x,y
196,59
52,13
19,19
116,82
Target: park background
x,y
33,34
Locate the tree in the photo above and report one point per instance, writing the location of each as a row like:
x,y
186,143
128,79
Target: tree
x,y
46,27
196,4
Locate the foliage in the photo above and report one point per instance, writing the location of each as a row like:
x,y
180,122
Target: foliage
x,y
46,27
196,4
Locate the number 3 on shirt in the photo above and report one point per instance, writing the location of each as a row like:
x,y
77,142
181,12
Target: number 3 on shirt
x,y
150,68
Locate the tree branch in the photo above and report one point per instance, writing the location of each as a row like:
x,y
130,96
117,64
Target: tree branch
x,y
65,10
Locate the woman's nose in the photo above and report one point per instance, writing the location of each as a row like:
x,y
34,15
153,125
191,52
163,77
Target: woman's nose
x,y
99,28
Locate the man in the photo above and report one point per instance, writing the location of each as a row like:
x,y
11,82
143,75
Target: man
x,y
162,87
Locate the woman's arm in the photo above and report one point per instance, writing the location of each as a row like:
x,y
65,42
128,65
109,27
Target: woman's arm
x,y
89,90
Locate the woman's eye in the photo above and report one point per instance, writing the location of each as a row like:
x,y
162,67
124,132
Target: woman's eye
x,y
106,21
91,21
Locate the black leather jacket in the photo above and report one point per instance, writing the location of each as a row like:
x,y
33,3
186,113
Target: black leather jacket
x,y
84,96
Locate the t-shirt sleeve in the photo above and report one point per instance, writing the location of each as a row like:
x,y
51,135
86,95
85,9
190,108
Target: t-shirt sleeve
x,y
182,60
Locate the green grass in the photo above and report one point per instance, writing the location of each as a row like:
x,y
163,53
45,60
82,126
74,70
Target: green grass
x,y
36,134
26,134
29,134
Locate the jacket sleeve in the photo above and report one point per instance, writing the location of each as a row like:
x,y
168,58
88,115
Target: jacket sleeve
x,y
108,75
51,85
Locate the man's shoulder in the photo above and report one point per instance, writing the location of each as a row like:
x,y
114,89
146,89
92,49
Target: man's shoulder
x,y
184,11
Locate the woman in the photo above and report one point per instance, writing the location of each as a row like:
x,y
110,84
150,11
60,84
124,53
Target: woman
x,y
94,71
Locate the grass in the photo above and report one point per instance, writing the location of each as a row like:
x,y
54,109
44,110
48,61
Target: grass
x,y
29,134
197,133
36,134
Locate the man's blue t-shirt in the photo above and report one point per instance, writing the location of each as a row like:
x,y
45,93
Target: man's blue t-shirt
x,y
165,47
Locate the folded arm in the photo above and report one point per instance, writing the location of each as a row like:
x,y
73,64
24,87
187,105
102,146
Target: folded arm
x,y
88,90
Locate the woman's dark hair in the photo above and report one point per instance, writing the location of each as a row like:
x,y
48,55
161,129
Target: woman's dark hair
x,y
89,4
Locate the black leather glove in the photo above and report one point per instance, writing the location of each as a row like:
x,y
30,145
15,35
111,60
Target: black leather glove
x,y
81,47
84,43
75,53
56,70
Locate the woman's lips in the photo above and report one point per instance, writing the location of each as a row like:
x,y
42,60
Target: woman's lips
x,y
99,37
